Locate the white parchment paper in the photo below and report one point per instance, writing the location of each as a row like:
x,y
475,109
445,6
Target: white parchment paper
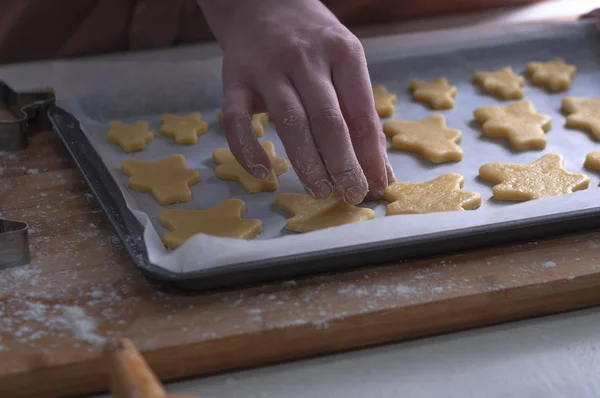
x,y
97,92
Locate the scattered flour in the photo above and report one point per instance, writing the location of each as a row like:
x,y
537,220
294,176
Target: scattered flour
x,y
496,287
592,244
51,320
378,290
548,264
81,326
33,171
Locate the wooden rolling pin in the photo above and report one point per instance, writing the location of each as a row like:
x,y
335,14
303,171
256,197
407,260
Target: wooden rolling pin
x,y
130,375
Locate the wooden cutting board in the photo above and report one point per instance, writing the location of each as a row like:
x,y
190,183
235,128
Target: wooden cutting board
x,y
81,288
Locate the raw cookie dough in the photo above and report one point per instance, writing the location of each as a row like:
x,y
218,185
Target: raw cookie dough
x,y
229,169
130,137
429,137
503,83
443,193
184,129
555,75
258,122
519,123
312,214
583,114
438,94
542,178
167,179
385,102
224,220
592,161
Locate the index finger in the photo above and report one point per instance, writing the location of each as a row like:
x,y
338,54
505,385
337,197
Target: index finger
x,y
351,79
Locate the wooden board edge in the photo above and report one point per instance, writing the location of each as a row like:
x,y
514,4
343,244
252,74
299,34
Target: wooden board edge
x,y
305,341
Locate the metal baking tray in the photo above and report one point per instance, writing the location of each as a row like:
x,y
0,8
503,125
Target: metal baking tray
x,y
492,56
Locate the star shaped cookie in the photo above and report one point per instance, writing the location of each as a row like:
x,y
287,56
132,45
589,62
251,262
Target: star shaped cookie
x,y
543,178
555,75
443,193
519,123
312,214
258,122
130,137
583,114
503,83
429,137
228,168
184,129
167,179
592,161
224,220
438,94
385,102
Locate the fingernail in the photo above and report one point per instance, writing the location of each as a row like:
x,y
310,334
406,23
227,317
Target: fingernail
x,y
322,189
376,190
259,171
391,175
354,195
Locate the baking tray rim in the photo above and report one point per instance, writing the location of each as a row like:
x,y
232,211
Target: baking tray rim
x,y
113,204
131,231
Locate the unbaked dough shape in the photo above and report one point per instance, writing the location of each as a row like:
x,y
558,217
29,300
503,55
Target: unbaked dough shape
x,y
519,123
592,161
131,137
429,137
583,114
167,179
258,122
438,94
543,178
441,194
385,102
184,129
503,83
228,168
555,75
223,220
309,214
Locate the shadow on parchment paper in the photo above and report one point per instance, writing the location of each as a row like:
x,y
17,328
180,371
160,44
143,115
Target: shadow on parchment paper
x,y
234,187
491,200
474,124
275,209
426,164
208,163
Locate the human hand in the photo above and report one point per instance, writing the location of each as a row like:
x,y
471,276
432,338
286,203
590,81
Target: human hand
x,y
296,61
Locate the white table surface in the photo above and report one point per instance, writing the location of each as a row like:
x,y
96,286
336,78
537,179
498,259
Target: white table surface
x,y
554,356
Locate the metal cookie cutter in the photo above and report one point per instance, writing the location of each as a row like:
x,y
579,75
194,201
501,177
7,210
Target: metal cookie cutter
x,y
20,113
14,244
